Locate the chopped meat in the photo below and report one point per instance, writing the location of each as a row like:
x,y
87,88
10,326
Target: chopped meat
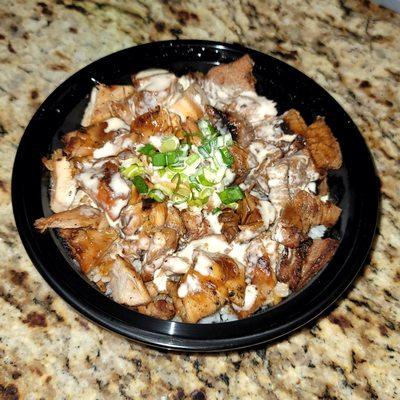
x,y
109,101
237,74
155,122
126,285
230,223
294,122
319,254
175,221
161,309
196,226
288,175
163,242
132,218
79,217
299,215
63,184
248,210
323,146
88,246
190,104
240,165
82,143
289,268
241,130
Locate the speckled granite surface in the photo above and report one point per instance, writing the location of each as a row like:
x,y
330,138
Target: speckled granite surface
x,y
47,351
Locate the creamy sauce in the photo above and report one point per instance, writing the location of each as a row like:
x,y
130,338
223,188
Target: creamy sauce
x,y
160,280
256,108
119,187
154,80
215,225
238,252
115,124
212,244
203,264
190,285
317,232
250,297
176,265
267,211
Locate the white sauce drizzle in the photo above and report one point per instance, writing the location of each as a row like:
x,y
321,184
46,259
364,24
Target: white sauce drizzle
x,y
190,285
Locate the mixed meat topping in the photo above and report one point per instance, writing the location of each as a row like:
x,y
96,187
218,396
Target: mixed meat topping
x,y
189,198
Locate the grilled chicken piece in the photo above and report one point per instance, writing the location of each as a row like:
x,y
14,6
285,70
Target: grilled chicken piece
x,y
190,104
294,122
88,246
288,175
161,309
63,184
126,284
319,254
132,218
79,217
242,132
155,122
237,74
323,146
109,101
241,165
299,215
105,185
195,225
82,143
163,242
289,267
175,221
248,210
230,223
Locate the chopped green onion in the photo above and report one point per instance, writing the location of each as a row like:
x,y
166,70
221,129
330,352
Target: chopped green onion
x,y
140,184
205,150
192,159
216,210
204,181
148,149
205,193
159,160
227,157
183,150
171,157
169,143
231,194
207,129
157,195
132,170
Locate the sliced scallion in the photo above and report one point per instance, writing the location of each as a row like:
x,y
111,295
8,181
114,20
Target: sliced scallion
x,y
140,184
231,195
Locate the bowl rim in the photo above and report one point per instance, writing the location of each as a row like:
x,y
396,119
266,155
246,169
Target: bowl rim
x,y
180,336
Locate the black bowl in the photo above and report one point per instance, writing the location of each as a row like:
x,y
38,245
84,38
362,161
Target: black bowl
x,y
354,186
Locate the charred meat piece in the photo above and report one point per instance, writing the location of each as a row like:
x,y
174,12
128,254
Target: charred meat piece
x,y
82,143
154,122
248,210
240,165
242,132
319,254
299,215
323,146
63,184
290,265
237,74
79,217
174,221
88,246
230,223
196,226
294,122
126,285
161,309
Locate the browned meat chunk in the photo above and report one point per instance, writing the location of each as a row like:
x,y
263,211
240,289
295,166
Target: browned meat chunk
x,y
83,142
240,164
238,74
299,215
196,226
323,146
230,223
174,221
240,129
294,122
80,217
161,309
290,265
319,254
126,285
107,102
163,242
154,122
88,246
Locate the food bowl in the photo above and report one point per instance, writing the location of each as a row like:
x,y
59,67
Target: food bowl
x,y
354,187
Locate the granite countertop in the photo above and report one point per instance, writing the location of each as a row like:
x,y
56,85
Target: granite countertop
x,y
47,351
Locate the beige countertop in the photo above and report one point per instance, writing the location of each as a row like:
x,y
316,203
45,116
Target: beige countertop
x,y
47,351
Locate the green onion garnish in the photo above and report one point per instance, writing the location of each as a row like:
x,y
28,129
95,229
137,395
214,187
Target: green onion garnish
x,y
216,210
227,157
148,149
207,129
231,194
157,195
169,143
171,157
159,160
132,170
140,184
